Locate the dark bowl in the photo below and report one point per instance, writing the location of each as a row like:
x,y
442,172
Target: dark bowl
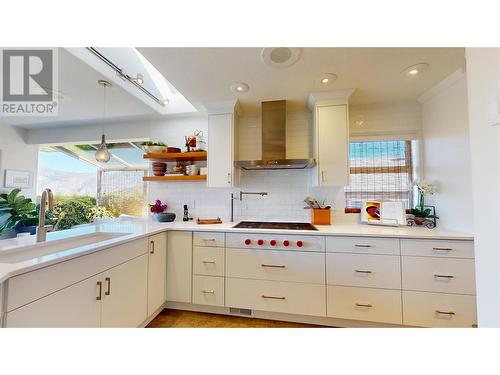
x,y
165,217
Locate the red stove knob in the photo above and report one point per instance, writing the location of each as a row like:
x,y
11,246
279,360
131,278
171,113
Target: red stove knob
x,y
248,242
299,244
286,243
273,242
260,242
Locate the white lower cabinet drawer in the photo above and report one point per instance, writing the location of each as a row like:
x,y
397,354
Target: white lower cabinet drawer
x,y
373,271
424,309
373,305
276,296
363,245
304,267
211,239
208,290
434,274
208,261
438,248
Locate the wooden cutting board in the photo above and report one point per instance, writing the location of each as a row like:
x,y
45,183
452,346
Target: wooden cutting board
x,y
209,221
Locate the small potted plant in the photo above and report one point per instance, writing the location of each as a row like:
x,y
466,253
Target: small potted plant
x,y
422,214
154,147
20,212
158,210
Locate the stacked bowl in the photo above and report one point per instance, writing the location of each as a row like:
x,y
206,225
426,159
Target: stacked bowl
x,y
159,169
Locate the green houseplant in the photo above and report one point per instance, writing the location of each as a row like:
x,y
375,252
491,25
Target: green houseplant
x,y
20,212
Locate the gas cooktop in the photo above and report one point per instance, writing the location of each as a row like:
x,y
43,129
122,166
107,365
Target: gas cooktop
x,y
274,225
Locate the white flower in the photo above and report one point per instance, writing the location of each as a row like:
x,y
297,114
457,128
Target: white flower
x,y
425,187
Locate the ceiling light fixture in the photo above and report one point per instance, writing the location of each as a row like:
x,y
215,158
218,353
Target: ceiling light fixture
x,y
326,79
239,87
139,79
415,69
164,102
102,154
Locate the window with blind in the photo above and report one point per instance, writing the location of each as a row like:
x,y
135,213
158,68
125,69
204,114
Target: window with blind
x,y
381,171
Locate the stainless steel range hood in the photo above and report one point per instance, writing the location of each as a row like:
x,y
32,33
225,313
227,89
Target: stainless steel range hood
x,y
274,142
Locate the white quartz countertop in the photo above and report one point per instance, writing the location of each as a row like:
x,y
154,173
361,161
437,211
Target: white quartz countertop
x,y
129,230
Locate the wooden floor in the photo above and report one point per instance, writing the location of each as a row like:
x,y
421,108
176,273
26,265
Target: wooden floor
x,y
189,319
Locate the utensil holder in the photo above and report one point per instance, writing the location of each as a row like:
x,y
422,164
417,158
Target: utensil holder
x,y
321,216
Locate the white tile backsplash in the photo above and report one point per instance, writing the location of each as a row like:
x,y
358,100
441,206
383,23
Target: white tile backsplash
x,y
286,191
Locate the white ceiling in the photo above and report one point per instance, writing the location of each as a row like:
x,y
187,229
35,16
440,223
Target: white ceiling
x,y
83,98
206,74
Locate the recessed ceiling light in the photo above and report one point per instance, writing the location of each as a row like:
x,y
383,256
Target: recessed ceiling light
x,y
414,70
239,87
326,79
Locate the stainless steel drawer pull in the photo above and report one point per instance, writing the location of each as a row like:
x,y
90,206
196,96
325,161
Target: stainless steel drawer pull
x,y
208,291
108,291
442,248
363,271
99,295
444,276
208,261
358,245
273,265
445,312
209,239
272,297
363,304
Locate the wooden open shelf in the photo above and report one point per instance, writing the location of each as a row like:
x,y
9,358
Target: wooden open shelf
x,y
174,156
175,178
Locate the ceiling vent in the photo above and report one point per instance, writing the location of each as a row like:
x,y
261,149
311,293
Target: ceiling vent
x,y
280,57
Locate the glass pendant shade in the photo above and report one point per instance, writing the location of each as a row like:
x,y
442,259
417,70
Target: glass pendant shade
x,y
102,154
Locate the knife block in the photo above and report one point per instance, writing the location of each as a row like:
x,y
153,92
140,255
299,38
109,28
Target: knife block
x,y
321,216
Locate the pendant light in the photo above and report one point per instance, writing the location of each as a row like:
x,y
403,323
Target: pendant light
x,y
102,154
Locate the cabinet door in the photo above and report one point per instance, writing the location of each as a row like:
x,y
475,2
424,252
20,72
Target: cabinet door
x,y
179,266
332,139
125,290
75,306
157,272
220,150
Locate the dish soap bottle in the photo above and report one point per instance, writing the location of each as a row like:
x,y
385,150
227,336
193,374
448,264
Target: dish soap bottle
x,y
186,213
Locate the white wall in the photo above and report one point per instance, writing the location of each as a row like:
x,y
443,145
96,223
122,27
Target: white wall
x,y
483,80
446,157
16,154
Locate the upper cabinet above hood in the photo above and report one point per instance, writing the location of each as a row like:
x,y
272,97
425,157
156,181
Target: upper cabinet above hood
x,y
274,142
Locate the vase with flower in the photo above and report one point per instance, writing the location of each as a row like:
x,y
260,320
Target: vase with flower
x,y
422,214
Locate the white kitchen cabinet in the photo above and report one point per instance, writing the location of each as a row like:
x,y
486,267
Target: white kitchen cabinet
x,y
222,150
331,127
124,294
73,307
157,272
179,266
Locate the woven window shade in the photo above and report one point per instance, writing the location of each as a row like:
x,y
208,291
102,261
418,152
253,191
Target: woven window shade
x,y
380,171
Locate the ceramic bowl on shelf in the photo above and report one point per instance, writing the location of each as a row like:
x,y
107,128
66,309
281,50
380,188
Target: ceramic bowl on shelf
x,y
159,168
156,149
